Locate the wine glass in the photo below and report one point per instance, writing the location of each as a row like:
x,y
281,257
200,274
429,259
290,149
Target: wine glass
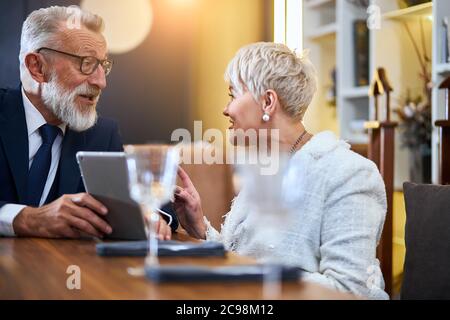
x,y
269,208
152,171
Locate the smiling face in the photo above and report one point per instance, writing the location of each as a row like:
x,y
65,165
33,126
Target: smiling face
x,y
71,95
244,113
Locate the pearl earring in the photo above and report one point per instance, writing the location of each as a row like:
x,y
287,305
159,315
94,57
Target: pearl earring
x,y
266,117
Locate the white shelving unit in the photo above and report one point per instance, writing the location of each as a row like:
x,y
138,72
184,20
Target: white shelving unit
x,y
390,48
409,13
352,101
328,34
323,31
393,50
355,92
316,3
440,70
320,29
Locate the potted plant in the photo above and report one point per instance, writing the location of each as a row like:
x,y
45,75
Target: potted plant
x,y
414,112
415,126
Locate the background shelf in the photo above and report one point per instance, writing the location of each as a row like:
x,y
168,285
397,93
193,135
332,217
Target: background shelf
x,y
443,68
357,92
323,31
424,9
311,4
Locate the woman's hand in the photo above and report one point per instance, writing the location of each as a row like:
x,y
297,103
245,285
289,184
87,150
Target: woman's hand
x,y
188,207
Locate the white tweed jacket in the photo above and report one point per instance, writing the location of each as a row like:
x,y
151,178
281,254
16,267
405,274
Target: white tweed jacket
x,y
332,235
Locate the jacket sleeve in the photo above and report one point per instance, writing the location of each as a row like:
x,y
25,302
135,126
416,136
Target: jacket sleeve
x,y
168,208
115,142
354,213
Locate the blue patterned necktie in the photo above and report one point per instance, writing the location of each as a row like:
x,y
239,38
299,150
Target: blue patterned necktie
x,y
40,167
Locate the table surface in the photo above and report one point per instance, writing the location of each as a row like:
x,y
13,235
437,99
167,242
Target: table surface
x,y
37,269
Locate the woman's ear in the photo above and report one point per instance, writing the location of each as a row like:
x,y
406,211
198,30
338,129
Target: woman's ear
x,y
35,64
270,101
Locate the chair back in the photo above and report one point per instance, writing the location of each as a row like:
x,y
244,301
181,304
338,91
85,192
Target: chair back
x,y
427,239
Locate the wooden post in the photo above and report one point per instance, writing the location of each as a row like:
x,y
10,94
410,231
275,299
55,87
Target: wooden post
x,y
444,135
374,126
381,152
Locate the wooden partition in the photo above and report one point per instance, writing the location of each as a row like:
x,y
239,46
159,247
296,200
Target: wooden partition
x,y
382,152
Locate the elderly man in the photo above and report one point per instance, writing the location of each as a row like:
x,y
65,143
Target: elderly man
x,y
63,69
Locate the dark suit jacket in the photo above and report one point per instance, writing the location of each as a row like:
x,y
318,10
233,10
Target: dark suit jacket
x,y
14,158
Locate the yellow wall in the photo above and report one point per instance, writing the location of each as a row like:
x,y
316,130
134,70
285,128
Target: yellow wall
x,y
320,115
223,27
399,219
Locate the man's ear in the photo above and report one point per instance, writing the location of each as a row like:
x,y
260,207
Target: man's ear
x,y
35,64
270,101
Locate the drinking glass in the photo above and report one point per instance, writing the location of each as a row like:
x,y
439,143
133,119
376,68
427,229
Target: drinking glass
x,y
152,171
269,209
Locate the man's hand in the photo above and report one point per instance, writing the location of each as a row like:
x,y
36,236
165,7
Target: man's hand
x,y
67,217
164,230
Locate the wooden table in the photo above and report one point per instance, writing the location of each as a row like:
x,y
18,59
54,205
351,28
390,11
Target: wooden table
x,y
36,269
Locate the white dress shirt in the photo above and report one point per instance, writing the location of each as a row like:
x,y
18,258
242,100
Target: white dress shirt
x,y
34,121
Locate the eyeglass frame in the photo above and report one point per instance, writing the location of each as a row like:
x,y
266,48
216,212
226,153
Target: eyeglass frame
x,y
82,58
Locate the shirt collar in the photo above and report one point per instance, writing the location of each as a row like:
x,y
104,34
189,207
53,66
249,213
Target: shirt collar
x,y
34,118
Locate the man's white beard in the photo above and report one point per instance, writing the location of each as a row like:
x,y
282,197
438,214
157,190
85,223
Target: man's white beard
x,y
62,103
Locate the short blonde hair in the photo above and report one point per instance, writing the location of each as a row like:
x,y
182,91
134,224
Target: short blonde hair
x,y
266,65
42,26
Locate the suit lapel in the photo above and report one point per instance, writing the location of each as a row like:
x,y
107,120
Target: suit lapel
x,y
69,172
14,136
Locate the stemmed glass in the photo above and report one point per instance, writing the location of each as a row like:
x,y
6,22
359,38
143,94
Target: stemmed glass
x,y
152,171
269,208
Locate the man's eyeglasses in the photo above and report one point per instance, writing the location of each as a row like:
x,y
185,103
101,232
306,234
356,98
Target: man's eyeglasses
x,y
88,64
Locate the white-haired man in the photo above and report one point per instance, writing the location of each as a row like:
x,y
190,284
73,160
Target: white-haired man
x,y
63,69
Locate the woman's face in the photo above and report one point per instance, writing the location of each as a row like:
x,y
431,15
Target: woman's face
x,y
243,111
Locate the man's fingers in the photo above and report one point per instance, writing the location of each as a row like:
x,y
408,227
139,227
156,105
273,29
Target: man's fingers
x,y
71,233
86,200
168,233
158,225
91,218
164,231
83,226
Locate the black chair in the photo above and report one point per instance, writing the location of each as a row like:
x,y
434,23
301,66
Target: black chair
x,y
427,237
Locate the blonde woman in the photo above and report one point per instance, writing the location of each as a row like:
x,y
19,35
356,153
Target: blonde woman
x,y
340,196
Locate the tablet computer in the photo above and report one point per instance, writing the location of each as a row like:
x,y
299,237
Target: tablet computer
x,y
105,177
